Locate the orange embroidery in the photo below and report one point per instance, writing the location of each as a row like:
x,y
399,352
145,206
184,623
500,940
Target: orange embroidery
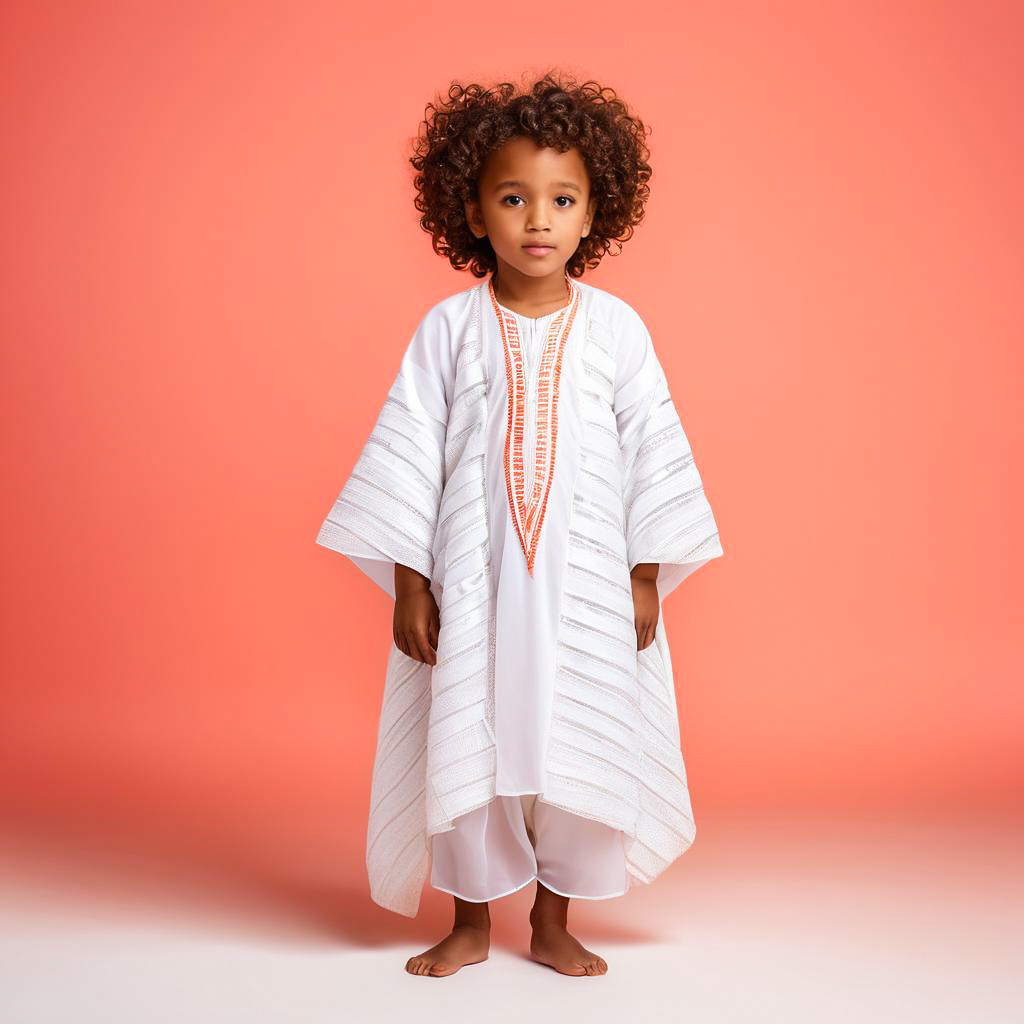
x,y
528,512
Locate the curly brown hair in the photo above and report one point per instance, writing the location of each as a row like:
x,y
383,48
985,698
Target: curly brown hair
x,y
457,135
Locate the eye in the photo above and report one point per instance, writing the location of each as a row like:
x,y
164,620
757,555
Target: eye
x,y
511,197
572,201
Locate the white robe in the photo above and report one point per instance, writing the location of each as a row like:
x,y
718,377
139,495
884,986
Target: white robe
x,y
538,687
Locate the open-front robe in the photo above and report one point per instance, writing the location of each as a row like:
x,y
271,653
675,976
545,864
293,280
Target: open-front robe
x,y
538,685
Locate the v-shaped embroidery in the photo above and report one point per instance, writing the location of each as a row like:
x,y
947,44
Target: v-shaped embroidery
x,y
528,509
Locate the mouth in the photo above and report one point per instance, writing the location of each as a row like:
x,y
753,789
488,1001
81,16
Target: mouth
x,y
539,249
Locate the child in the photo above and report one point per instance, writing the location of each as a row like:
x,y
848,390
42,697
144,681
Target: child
x,y
529,498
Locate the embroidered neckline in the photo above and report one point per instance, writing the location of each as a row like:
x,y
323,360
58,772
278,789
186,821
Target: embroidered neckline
x,y
535,319
528,509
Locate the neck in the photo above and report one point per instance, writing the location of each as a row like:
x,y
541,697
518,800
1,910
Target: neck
x,y
530,296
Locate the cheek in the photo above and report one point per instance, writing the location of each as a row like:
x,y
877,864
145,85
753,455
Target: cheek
x,y
504,226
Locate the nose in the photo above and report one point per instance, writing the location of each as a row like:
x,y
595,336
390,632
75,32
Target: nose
x,y
536,222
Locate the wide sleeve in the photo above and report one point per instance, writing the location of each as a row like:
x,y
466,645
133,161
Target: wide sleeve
x,y
387,510
668,519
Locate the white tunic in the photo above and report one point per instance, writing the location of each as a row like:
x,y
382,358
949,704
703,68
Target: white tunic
x,y
538,686
527,606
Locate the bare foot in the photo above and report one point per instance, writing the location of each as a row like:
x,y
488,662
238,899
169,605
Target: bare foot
x,y
468,943
551,942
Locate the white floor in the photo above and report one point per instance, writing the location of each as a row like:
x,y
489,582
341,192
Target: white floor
x,y
799,921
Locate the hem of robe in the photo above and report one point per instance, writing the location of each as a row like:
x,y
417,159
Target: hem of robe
x,y
534,878
631,838
673,571
569,895
469,899
378,565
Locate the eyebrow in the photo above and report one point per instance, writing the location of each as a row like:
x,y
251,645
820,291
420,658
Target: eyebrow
x,y
519,184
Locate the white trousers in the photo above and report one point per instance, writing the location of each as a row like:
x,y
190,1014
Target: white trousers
x,y
500,847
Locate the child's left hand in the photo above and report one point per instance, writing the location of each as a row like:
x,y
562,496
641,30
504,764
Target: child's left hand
x,y
645,604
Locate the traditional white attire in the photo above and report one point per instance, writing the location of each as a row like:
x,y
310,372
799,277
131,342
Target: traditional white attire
x,y
524,466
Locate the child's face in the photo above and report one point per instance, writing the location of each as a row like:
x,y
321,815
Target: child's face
x,y
532,195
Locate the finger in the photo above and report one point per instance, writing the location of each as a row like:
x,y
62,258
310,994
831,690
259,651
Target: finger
x,y
422,645
433,632
409,645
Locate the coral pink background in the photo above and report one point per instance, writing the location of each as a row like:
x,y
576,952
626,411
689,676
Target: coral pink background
x,y
212,264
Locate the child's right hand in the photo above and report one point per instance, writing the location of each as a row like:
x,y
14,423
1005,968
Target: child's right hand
x,y
417,621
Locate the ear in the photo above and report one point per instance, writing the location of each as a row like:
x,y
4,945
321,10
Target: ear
x,y
591,210
474,218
